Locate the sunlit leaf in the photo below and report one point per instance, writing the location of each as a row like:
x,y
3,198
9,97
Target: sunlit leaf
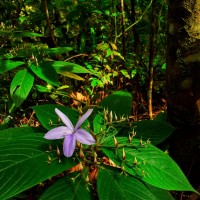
x,y
147,163
46,73
6,65
21,86
61,66
70,75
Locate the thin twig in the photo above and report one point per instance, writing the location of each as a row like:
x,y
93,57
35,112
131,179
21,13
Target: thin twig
x,y
137,20
76,56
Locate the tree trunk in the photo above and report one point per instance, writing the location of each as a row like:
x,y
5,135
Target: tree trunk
x,y
152,53
135,33
123,29
183,84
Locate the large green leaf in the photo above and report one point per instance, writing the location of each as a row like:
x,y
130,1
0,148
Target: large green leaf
x,y
155,130
153,166
24,163
49,119
10,133
119,103
70,75
113,185
61,66
6,65
21,86
67,189
46,73
58,50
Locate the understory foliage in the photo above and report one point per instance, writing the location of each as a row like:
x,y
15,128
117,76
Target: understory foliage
x,y
122,164
71,56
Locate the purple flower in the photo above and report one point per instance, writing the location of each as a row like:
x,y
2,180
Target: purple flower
x,y
70,133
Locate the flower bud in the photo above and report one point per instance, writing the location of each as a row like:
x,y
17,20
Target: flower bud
x,y
50,122
49,159
111,116
78,144
135,161
129,138
123,154
133,133
116,117
148,141
36,61
32,57
95,157
50,147
87,179
81,154
141,141
105,114
143,172
80,167
115,141
58,152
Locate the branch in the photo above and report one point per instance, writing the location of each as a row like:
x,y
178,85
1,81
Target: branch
x,y
137,20
49,23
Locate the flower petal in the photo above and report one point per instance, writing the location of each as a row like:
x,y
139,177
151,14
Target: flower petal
x,y
83,118
57,133
64,119
84,137
69,145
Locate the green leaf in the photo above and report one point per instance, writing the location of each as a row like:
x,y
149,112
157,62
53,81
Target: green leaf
x,y
125,73
61,66
133,73
153,166
98,123
46,73
155,130
113,185
59,50
24,163
21,86
14,133
66,189
71,75
119,103
41,88
49,119
6,65
162,116
26,34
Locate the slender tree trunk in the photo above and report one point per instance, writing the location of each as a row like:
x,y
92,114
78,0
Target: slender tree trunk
x,y
183,84
152,52
136,36
51,32
123,29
